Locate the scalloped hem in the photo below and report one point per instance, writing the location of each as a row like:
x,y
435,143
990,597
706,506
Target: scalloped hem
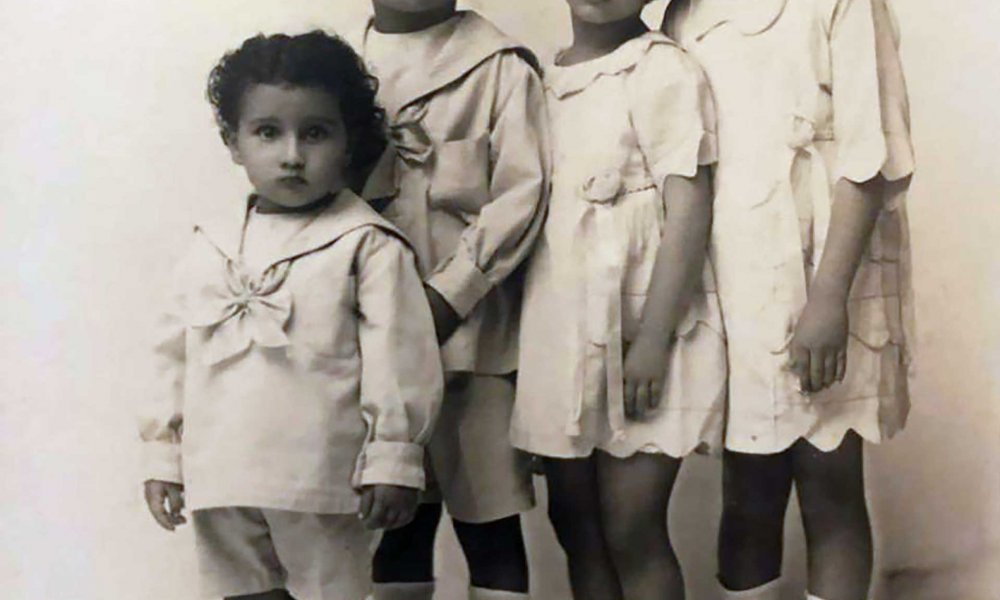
x,y
704,439
826,439
703,447
710,447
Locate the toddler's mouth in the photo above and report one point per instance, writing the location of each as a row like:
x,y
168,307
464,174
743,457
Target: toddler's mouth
x,y
292,180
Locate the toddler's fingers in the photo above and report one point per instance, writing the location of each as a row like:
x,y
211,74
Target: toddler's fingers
x,y
365,509
175,499
391,519
407,516
376,517
161,516
154,500
841,365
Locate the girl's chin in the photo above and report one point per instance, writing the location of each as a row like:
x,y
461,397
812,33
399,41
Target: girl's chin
x,y
289,202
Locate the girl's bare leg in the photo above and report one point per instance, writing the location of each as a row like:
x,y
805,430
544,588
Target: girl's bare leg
x,y
575,513
831,493
635,495
755,491
495,554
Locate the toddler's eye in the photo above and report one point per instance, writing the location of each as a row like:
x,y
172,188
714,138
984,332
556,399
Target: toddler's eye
x,y
266,132
315,134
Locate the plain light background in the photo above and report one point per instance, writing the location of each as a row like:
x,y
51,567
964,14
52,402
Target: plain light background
x,y
108,146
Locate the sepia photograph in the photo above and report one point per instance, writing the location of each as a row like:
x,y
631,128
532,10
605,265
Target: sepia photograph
x,y
500,300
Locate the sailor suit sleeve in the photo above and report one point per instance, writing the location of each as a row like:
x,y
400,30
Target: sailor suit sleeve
x,y
496,242
401,376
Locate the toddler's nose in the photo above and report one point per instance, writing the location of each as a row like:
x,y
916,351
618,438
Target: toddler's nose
x,y
293,156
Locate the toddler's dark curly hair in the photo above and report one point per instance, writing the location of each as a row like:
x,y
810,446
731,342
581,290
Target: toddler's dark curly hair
x,y
314,60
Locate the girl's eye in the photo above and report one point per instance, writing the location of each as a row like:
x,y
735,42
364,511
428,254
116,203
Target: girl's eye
x,y
316,134
266,132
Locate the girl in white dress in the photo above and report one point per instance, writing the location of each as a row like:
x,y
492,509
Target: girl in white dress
x,y
811,252
622,359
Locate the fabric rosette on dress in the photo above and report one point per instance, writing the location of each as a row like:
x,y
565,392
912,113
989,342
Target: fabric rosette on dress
x,y
408,142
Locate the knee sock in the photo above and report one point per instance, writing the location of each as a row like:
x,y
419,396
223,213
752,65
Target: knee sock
x,y
423,590
478,593
769,591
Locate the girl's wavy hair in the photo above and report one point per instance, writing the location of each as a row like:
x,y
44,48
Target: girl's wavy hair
x,y
314,60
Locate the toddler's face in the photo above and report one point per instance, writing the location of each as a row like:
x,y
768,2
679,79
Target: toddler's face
x,y
414,5
292,143
604,11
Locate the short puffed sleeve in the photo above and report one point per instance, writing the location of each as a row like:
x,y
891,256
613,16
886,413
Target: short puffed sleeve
x,y
870,108
672,112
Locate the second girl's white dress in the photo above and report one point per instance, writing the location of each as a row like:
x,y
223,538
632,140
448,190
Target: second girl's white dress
x,y
621,124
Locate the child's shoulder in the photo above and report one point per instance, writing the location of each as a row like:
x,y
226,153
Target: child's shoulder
x,y
476,31
660,61
365,224
650,55
658,51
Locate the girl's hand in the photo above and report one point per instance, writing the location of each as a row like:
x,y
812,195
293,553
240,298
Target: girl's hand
x,y
645,370
387,506
446,320
161,493
819,345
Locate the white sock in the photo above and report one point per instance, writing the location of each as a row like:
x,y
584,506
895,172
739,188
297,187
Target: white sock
x,y
769,591
423,590
478,593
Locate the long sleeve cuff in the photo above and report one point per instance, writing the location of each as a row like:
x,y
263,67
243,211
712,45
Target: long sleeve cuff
x,y
162,461
461,283
393,463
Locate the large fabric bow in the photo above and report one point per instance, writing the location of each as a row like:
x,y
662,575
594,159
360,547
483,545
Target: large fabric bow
x,y
243,310
600,275
408,142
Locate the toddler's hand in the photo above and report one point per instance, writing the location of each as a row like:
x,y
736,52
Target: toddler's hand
x,y
446,320
159,493
818,351
645,369
387,506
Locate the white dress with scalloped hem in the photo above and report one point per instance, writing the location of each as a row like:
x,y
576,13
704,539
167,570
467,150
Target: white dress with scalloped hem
x,y
808,92
621,124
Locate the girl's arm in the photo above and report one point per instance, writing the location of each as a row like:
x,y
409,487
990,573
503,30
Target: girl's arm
x,y
673,115
871,126
819,344
677,270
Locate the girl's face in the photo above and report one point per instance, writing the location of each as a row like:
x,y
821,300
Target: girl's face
x,y
414,6
604,11
292,143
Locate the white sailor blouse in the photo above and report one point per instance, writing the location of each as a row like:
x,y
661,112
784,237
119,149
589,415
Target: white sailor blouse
x,y
467,177
292,386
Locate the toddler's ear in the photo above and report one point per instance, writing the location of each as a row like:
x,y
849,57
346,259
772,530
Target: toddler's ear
x,y
229,139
